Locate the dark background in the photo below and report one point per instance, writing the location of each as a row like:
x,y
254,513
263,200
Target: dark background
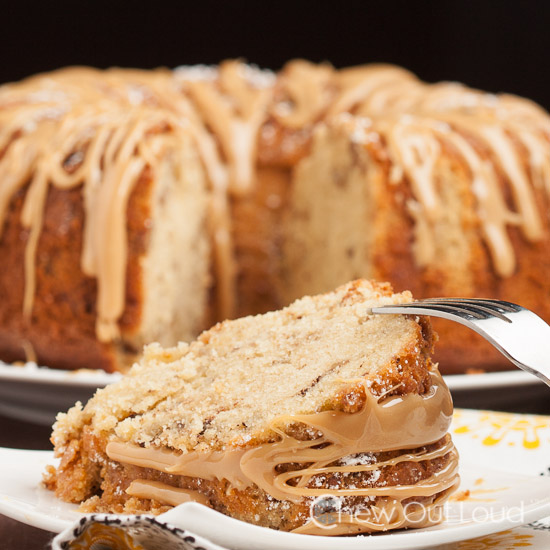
x,y
493,45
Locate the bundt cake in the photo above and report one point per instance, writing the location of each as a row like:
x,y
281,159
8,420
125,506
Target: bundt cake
x,y
140,206
318,419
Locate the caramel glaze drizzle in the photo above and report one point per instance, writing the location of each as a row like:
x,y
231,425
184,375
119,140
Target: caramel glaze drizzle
x,y
99,130
232,103
383,424
416,119
73,118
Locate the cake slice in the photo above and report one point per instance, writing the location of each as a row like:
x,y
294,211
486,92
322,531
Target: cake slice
x,y
319,418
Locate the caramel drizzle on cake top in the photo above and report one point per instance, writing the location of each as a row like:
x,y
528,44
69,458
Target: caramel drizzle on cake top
x,y
415,119
101,129
80,126
74,129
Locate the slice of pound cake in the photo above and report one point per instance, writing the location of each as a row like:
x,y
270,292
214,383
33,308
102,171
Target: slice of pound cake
x,y
320,419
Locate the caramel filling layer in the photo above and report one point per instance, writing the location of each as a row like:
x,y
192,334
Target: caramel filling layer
x,y
342,447
164,493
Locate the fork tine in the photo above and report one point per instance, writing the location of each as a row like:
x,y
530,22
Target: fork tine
x,y
425,307
497,305
500,305
478,309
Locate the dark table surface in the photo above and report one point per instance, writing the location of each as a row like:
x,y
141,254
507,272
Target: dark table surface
x,y
23,435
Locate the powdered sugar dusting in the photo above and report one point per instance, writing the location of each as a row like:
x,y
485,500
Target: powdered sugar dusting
x,y
197,72
358,460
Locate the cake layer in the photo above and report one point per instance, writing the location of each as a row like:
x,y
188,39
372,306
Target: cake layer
x,y
271,413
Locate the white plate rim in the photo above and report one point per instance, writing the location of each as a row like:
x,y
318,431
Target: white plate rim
x,y
490,380
413,539
32,373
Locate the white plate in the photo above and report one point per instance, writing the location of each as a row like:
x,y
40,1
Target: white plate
x,y
491,380
30,372
499,500
37,394
92,379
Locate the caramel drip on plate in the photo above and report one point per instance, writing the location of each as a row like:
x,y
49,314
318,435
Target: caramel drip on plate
x,y
405,423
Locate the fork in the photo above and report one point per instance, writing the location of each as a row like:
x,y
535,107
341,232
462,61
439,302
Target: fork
x,y
518,333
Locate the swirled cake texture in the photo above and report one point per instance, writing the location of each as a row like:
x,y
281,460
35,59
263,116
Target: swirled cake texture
x,y
272,418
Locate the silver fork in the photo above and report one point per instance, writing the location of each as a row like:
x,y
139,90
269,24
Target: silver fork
x,y
518,333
